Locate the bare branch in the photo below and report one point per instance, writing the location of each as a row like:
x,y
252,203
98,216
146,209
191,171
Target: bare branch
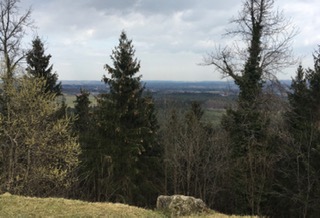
x,y
222,61
13,27
276,39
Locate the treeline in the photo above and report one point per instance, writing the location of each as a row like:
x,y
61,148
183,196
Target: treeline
x,y
263,159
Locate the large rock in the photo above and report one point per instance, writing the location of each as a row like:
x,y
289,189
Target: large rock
x,y
180,205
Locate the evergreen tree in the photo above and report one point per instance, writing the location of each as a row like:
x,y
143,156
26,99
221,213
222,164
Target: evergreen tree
x,y
299,100
90,167
298,180
82,110
128,127
38,66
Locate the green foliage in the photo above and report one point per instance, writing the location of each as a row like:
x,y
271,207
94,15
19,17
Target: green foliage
x,y
298,100
38,67
38,154
94,168
82,110
298,177
126,126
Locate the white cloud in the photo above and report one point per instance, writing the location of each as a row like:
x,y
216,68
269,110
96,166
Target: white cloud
x,y
170,36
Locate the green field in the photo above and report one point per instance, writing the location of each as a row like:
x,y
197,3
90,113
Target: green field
x,y
70,99
213,116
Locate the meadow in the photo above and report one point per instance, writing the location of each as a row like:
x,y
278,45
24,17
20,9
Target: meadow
x,y
19,206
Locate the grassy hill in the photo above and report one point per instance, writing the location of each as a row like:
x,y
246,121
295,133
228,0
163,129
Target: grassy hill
x,y
17,206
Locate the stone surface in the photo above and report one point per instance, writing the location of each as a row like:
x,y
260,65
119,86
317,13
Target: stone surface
x,y
180,205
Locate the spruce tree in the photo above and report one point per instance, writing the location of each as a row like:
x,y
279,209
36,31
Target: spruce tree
x,y
299,101
298,180
39,66
82,110
129,127
90,167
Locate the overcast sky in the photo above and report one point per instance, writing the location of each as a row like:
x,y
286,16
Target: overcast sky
x,y
170,36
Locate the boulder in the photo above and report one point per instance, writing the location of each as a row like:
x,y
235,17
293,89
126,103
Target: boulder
x,y
180,205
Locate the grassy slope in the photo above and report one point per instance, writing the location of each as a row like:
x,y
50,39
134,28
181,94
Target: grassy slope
x,y
17,206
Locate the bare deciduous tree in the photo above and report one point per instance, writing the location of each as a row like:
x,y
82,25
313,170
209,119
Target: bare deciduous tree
x,y
13,26
262,48
270,29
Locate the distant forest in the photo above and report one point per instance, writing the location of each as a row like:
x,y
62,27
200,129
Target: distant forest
x,y
250,146
72,87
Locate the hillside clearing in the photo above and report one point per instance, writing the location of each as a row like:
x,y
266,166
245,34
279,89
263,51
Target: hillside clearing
x,y
18,206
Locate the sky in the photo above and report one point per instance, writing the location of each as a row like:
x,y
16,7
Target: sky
x,y
171,37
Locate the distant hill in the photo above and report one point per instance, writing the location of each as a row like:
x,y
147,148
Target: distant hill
x,y
73,87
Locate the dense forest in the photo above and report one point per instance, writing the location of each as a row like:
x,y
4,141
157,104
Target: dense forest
x,y
262,158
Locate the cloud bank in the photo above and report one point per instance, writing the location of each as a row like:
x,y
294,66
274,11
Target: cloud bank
x,y
170,37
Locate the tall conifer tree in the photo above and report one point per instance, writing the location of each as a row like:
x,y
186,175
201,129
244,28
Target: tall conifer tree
x,y
298,180
38,66
129,128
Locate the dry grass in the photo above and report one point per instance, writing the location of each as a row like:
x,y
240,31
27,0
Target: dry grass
x,y
18,206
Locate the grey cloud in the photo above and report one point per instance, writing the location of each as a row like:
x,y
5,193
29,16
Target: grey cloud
x,y
165,7
168,27
141,6
112,5
153,7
